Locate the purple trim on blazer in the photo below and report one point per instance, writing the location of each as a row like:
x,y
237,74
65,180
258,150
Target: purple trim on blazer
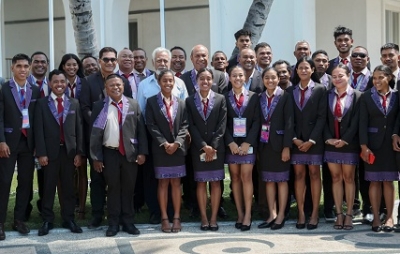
x,y
78,88
194,81
306,159
376,99
164,108
341,158
347,103
325,80
364,81
54,110
67,105
268,176
125,108
28,94
296,94
231,97
263,102
382,176
210,106
209,176
240,159
170,172
101,119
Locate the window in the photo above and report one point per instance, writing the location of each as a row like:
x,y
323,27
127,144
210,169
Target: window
x,y
392,26
133,35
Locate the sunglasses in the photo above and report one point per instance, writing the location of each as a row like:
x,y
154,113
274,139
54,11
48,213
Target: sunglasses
x,y
361,55
107,60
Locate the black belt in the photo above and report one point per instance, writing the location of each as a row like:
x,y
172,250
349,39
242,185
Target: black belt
x,y
62,144
112,148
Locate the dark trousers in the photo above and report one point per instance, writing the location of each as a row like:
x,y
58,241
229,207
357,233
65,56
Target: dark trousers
x,y
138,200
97,192
120,176
150,183
59,170
327,188
189,185
25,163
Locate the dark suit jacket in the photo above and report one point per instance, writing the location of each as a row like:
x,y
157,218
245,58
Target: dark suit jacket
x,y
11,115
250,110
281,120
158,125
348,124
374,124
335,62
232,62
210,130
309,122
81,82
133,129
219,82
257,84
47,128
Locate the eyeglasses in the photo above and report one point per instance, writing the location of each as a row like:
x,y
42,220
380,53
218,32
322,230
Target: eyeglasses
x,y
107,60
361,55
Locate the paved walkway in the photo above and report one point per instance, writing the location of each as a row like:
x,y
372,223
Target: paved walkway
x,y
325,239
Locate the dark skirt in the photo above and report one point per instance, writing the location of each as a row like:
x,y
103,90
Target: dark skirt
x,y
385,167
240,159
314,155
208,171
273,169
342,158
169,166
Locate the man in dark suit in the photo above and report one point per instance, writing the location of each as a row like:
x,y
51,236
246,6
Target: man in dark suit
x,y
2,81
17,105
90,94
59,147
90,65
118,144
140,61
243,41
343,42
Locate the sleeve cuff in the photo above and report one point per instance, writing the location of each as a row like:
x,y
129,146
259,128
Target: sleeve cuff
x,y
312,141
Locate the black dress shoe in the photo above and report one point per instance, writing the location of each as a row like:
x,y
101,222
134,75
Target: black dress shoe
x,y
300,225
266,224
205,227
2,232
71,225
95,223
387,229
396,229
376,228
45,228
130,229
20,227
222,213
238,225
276,226
245,227
112,230
312,226
215,227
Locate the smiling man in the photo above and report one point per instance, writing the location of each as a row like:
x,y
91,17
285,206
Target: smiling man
x,y
243,41
125,65
343,43
264,55
178,60
140,61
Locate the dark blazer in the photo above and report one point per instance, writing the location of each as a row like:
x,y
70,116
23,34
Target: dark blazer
x,y
348,124
281,120
80,82
219,83
232,62
335,62
47,128
250,111
133,129
158,125
374,124
11,114
257,84
208,130
309,121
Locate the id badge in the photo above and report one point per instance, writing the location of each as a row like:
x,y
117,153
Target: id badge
x,y
25,119
264,137
239,127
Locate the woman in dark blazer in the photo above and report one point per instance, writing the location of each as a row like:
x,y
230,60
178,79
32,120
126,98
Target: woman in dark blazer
x,y
275,144
242,129
341,142
378,111
309,103
166,120
207,123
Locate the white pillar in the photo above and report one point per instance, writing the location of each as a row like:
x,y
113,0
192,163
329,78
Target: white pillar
x,y
51,34
2,60
162,23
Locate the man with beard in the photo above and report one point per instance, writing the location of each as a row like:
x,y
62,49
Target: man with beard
x,y
321,61
140,61
343,42
178,60
90,65
148,88
264,55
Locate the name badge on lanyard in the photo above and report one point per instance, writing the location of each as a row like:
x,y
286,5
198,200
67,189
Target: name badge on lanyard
x,y
25,119
264,137
239,127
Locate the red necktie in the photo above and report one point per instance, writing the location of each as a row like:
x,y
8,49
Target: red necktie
x,y
384,98
22,101
60,111
71,88
168,109
121,147
355,76
338,114
239,103
344,61
205,106
40,84
302,96
126,76
269,102
178,74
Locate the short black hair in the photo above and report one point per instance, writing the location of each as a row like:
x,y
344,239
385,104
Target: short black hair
x,y
56,72
107,49
280,61
205,70
261,45
219,52
39,53
340,30
314,77
20,56
320,51
242,32
390,45
114,75
180,48
140,49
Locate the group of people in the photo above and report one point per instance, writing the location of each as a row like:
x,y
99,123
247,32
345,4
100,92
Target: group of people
x,y
142,131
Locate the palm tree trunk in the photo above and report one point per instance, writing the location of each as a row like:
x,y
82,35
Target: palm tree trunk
x,y
84,32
